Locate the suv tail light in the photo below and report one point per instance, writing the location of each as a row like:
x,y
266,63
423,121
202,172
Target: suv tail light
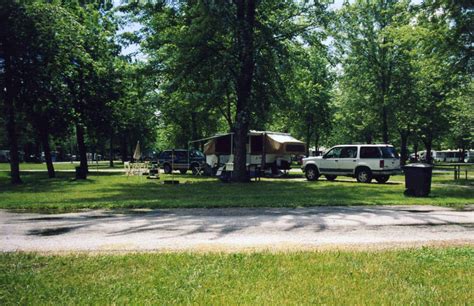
x,y
382,163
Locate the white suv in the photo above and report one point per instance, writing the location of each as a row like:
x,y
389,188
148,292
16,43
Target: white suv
x,y
363,162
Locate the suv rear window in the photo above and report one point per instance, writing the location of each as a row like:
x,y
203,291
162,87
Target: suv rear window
x,y
369,152
389,152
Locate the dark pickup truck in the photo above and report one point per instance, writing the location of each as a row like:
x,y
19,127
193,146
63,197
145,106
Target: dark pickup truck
x,y
182,160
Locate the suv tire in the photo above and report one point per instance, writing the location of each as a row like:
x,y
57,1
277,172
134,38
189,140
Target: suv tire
x,y
167,168
311,173
330,177
382,179
364,175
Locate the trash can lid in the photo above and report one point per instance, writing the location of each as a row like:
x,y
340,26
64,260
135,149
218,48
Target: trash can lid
x,y
419,165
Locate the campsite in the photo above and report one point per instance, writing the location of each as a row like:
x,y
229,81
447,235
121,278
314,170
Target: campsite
x,y
236,152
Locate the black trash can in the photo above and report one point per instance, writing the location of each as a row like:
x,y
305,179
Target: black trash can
x,y
418,179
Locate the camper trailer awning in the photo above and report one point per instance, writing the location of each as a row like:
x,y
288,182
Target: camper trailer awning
x,y
284,144
283,138
275,143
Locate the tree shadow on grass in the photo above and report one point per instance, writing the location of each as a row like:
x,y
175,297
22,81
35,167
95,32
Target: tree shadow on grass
x,y
40,182
354,181
135,192
207,194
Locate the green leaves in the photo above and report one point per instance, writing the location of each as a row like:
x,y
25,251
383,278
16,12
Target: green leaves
x,y
193,50
397,66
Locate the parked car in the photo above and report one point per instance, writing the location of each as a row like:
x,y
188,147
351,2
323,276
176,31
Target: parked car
x,y
33,158
363,162
54,155
4,156
182,160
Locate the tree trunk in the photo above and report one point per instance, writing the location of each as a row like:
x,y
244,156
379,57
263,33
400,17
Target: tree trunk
x,y
316,141
384,83
10,93
47,152
308,139
403,147
415,148
384,125
81,146
111,150
428,146
368,138
240,154
123,149
194,130
245,29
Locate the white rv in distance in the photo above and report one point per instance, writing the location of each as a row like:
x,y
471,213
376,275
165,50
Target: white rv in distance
x,y
442,156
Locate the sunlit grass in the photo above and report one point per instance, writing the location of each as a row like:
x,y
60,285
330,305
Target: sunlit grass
x,y
419,276
443,178
62,166
102,190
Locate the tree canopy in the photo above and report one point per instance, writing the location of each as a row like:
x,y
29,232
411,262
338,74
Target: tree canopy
x,y
383,71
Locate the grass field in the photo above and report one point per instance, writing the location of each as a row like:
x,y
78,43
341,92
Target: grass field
x,y
443,178
61,166
108,190
419,276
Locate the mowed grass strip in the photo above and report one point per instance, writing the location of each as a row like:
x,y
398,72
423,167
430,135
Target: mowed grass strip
x,y
103,190
419,276
61,166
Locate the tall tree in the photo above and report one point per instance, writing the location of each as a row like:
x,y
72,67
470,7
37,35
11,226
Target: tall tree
x,y
90,84
223,59
461,132
47,64
435,75
403,96
245,70
308,94
367,58
14,26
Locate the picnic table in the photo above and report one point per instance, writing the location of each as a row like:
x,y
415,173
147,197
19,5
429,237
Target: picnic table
x,y
457,169
136,168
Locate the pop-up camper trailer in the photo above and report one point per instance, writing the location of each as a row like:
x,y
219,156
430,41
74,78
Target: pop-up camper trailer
x,y
267,150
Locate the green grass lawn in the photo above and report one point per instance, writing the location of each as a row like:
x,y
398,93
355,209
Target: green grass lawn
x,y
107,190
418,276
62,166
443,178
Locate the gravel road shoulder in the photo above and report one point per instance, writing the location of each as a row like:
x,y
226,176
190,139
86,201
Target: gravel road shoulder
x,y
237,229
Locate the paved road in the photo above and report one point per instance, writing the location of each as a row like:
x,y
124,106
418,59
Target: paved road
x,y
236,229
